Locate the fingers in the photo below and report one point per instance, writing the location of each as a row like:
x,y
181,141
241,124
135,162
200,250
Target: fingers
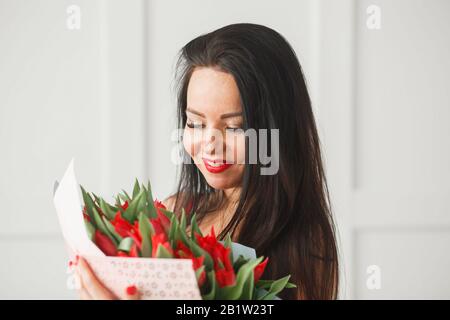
x,y
132,293
90,284
84,295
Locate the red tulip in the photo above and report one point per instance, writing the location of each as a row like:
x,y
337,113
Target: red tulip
x,y
124,206
163,219
157,226
259,270
105,243
184,252
225,274
126,229
158,239
133,253
225,277
159,204
85,215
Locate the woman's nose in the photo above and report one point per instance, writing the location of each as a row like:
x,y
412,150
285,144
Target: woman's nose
x,y
213,141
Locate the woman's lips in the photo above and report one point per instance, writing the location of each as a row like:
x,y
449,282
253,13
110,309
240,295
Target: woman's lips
x,y
216,166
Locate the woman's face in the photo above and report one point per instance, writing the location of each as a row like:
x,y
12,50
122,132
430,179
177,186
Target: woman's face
x,y
213,135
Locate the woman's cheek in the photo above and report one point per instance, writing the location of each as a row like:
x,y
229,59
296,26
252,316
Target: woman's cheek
x,y
236,149
191,145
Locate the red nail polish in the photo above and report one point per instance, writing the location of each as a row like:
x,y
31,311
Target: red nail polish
x,y
131,290
70,263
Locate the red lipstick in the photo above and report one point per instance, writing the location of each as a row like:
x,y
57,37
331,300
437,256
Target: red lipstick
x,y
216,168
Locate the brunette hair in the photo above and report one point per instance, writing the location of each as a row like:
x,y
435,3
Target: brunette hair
x,y
286,216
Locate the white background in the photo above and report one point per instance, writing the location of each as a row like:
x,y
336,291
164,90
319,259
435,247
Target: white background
x,y
104,95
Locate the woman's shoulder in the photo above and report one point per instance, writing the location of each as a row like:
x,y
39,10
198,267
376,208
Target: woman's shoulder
x,y
169,202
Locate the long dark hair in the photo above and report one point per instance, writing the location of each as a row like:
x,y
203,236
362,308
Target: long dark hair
x,y
286,216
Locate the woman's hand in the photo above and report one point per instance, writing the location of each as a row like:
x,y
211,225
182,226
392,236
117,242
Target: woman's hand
x,y
92,289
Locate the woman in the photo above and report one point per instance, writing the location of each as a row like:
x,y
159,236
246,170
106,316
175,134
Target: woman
x,y
239,78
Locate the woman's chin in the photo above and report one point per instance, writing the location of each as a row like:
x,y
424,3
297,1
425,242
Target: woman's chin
x,y
219,181
219,184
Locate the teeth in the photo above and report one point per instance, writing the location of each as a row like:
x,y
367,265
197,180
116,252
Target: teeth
x,y
212,164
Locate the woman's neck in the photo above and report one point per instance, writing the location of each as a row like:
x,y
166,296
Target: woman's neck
x,y
225,214
232,195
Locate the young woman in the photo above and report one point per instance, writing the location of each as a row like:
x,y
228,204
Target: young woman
x,y
247,77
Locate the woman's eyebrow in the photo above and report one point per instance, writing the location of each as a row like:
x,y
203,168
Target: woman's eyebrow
x,y
224,116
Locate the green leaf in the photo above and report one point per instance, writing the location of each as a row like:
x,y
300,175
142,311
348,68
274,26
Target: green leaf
x,y
99,222
96,198
240,261
136,188
173,227
290,285
123,197
112,230
131,213
235,292
183,219
227,244
194,227
260,293
167,213
118,204
220,264
213,285
126,195
181,234
107,210
162,252
198,251
276,287
198,273
263,284
101,226
88,202
248,289
141,204
89,229
146,230
125,244
145,208
150,204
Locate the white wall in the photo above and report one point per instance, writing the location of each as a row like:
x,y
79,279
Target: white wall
x,y
64,93
384,101
103,94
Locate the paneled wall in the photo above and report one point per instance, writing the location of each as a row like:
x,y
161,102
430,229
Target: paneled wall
x,y
104,94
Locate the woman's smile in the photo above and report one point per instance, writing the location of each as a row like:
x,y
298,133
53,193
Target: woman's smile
x,y
216,166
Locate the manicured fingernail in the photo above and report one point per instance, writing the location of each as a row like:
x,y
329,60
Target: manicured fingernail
x,y
70,263
131,290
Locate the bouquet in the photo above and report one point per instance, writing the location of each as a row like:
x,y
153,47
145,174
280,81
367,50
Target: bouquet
x,y
136,226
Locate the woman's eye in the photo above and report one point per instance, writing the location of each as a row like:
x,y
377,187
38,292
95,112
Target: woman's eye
x,y
194,125
233,129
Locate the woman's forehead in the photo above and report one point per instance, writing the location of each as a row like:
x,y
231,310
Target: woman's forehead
x,y
212,92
